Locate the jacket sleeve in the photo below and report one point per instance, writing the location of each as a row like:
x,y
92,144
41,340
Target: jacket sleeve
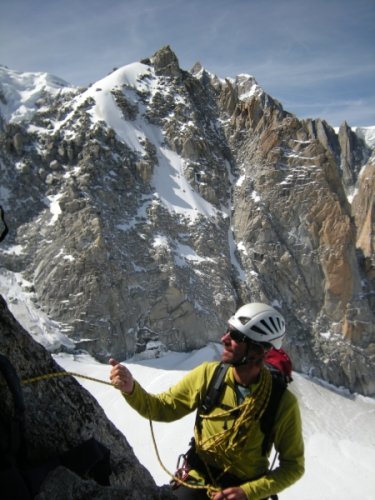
x,y
288,442
173,404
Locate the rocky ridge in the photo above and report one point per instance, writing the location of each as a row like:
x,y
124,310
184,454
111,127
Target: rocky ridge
x,y
144,209
60,415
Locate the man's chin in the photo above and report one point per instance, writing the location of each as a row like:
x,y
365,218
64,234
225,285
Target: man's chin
x,y
226,357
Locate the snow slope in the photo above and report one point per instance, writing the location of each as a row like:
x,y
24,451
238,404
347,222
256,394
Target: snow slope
x,y
367,134
21,92
338,427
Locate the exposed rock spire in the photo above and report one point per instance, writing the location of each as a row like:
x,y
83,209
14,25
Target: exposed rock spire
x,y
165,62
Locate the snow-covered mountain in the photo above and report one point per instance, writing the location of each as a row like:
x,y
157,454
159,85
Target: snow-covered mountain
x,y
367,134
144,209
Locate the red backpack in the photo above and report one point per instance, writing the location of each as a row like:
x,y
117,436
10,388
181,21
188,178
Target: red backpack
x,y
278,359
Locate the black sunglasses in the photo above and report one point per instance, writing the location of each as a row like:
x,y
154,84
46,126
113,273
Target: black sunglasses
x,y
240,337
237,336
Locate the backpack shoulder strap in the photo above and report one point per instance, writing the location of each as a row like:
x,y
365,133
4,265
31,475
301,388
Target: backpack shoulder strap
x,y
268,418
214,389
213,393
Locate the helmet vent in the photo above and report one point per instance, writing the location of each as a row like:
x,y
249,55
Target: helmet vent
x,y
243,319
275,323
256,329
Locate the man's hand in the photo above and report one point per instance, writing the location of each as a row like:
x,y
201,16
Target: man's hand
x,y
121,377
229,494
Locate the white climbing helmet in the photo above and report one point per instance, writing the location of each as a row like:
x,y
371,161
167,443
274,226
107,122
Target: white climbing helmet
x,y
260,323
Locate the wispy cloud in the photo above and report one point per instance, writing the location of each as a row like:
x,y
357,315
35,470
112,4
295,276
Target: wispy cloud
x,y
356,112
295,48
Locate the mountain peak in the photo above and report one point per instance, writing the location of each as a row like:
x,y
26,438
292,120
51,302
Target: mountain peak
x,y
21,91
196,69
165,62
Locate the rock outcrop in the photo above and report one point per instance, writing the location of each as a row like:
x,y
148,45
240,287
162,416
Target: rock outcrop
x,y
60,415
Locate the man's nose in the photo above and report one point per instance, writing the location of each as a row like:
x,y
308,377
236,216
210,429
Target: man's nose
x,y
225,337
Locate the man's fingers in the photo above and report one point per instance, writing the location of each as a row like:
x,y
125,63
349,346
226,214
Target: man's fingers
x,y
120,377
115,373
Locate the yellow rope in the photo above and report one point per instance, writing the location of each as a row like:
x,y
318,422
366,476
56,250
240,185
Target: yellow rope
x,y
250,413
62,374
210,489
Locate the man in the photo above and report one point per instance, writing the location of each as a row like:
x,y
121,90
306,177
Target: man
x,y
228,457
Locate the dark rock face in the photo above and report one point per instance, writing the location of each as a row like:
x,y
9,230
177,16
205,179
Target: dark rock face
x,y
60,415
145,209
165,63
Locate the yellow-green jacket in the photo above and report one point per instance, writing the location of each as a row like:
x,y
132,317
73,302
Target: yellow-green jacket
x,y
246,463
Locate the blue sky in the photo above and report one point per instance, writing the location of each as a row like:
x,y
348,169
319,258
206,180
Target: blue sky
x,y
317,57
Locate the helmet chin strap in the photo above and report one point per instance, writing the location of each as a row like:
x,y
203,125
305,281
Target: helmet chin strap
x,y
248,358
245,360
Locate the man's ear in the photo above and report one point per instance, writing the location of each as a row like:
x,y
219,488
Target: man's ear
x,y
258,361
255,359
256,354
